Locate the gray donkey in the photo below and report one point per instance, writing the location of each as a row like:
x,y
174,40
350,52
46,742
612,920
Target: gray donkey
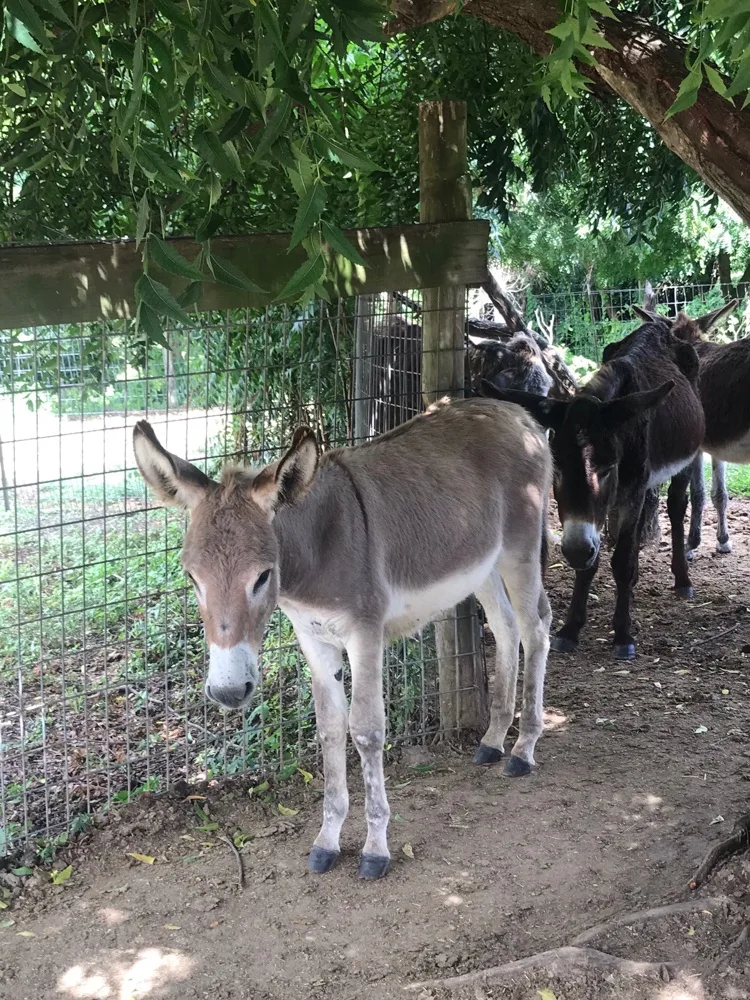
x,y
359,546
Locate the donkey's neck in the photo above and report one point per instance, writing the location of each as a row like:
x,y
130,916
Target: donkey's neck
x,y
322,538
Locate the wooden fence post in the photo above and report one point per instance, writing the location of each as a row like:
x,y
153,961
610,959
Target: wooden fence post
x,y
445,196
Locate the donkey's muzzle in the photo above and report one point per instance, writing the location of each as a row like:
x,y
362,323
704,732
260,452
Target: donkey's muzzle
x,y
230,697
580,545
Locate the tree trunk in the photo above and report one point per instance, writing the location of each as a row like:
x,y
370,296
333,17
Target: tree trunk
x,y
645,69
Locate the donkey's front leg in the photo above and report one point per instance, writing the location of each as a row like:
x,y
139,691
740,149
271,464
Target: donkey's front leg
x,y
327,669
367,726
566,640
625,572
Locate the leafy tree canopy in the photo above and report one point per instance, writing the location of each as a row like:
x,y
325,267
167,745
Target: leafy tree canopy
x,y
151,117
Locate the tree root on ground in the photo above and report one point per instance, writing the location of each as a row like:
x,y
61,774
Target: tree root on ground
x,y
641,916
556,960
737,841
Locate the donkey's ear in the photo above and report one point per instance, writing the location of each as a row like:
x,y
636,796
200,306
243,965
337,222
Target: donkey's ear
x,y
174,481
648,315
547,412
712,319
649,297
620,410
287,482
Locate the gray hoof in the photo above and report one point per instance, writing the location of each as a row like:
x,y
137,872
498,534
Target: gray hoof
x,y
516,767
723,547
562,644
624,650
485,754
320,861
373,866
686,593
690,555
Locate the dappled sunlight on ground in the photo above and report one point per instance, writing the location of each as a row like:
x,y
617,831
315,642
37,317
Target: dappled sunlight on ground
x,y
553,718
684,987
124,975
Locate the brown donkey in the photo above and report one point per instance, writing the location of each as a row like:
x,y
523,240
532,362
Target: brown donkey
x,y
361,545
637,423
724,388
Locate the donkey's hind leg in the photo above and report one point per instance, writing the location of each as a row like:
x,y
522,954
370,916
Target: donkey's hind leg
x,y
497,607
523,581
697,503
720,498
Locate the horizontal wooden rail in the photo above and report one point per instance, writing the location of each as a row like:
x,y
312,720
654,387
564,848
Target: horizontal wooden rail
x,y
83,282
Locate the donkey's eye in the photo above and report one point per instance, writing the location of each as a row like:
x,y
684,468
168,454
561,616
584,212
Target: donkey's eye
x,y
262,580
191,578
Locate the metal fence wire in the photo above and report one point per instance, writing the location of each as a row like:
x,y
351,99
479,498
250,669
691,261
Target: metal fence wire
x,y
102,656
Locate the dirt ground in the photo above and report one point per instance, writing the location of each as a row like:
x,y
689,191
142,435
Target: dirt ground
x,y
642,767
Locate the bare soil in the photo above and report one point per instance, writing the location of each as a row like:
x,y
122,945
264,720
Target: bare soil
x,y
642,767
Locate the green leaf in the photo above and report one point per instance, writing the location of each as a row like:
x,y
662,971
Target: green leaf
x,y
600,7
226,272
222,157
236,122
159,298
351,157
741,79
270,22
688,92
22,11
21,33
155,163
135,97
308,212
208,226
274,128
340,244
594,38
149,322
168,259
53,7
221,83
22,871
562,30
191,295
304,277
141,224
715,80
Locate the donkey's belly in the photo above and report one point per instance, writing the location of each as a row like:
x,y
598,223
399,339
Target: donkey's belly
x,y
734,451
411,609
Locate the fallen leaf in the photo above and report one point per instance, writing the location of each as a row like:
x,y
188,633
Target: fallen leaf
x,y
6,923
22,871
546,994
306,776
240,839
408,851
600,670
3,906
556,566
25,934
398,818
215,923
422,768
145,859
195,798
209,827
285,811
682,671
691,931
716,819
257,789
59,878
620,673
404,784
700,729
725,690
171,927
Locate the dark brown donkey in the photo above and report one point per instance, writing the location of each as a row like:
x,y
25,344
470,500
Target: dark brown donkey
x,y
637,423
724,387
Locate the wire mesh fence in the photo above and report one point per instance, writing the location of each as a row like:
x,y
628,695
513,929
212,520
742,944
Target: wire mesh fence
x,y
101,649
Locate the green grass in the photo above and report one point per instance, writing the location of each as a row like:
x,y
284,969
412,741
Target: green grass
x,y
738,480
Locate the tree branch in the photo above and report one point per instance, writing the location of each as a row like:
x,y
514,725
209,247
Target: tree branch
x,y
645,68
